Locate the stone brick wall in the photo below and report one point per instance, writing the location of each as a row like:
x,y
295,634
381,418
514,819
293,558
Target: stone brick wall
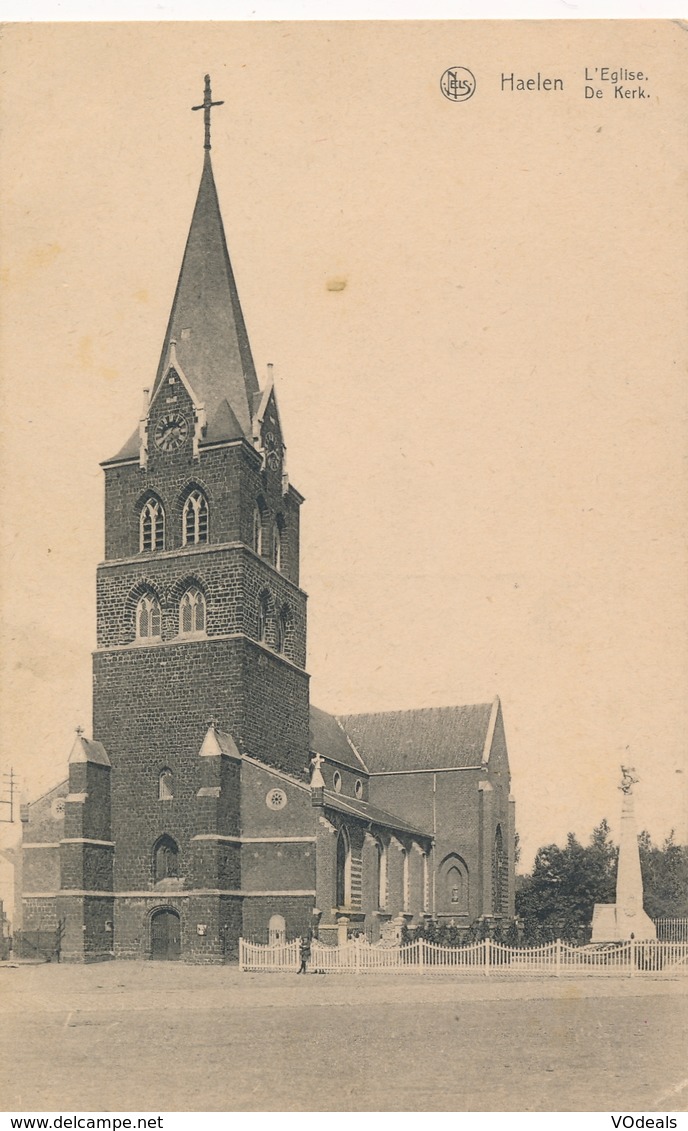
x,y
88,936
41,869
279,866
86,867
39,914
296,910
454,804
231,479
43,826
296,818
347,778
89,816
232,580
41,819
151,708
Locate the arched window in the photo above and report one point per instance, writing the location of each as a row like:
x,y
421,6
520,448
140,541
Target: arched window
x,y
405,879
452,891
264,618
283,629
148,618
195,519
165,859
500,886
277,545
166,785
456,889
381,854
277,930
343,887
152,525
425,882
280,637
192,613
258,530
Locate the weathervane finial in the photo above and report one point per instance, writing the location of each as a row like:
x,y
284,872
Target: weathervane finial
x,y
206,106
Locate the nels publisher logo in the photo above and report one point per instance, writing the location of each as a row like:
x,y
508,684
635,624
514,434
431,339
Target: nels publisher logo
x,y
458,84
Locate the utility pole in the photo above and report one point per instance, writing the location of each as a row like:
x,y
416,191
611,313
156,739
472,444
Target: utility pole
x,y
8,785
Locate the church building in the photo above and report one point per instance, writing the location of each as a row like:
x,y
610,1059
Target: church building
x,y
212,800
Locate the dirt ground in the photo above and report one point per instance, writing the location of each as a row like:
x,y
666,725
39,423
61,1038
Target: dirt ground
x,y
160,1037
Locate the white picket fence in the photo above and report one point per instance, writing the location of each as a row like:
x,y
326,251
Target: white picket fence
x,y
484,959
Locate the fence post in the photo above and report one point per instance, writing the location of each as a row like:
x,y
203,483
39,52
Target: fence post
x,y
421,955
357,954
557,959
241,953
632,956
486,957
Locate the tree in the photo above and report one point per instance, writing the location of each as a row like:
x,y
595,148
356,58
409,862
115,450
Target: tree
x,y
557,899
665,877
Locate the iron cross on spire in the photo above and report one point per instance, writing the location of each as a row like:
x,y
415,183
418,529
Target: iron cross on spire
x,y
206,106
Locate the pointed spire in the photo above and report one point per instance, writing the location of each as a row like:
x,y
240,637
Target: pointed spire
x,y
206,319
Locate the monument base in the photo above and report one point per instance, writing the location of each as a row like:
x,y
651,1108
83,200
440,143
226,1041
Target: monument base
x,y
610,924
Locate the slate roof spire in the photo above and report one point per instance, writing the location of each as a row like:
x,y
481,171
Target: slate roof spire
x,y
206,320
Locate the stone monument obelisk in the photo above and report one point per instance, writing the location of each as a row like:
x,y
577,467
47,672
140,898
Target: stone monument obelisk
x,y
618,922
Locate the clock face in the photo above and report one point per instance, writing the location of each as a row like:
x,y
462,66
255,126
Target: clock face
x,y
273,451
171,431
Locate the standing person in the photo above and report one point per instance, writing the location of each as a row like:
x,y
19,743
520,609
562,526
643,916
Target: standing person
x,y
304,952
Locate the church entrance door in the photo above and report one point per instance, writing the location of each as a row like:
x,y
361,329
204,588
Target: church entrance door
x,y
165,935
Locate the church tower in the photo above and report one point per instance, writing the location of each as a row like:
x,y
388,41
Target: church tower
x,y
201,620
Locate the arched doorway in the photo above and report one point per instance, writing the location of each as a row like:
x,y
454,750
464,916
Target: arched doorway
x,y
166,934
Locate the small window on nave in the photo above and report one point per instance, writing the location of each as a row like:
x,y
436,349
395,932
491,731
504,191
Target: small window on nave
x,y
152,526
148,618
381,860
343,875
192,617
195,520
166,785
425,881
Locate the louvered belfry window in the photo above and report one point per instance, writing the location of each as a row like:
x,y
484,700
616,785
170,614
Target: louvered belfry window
x,y
195,519
148,617
152,526
192,612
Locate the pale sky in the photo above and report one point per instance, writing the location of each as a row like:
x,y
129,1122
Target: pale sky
x,y
476,313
